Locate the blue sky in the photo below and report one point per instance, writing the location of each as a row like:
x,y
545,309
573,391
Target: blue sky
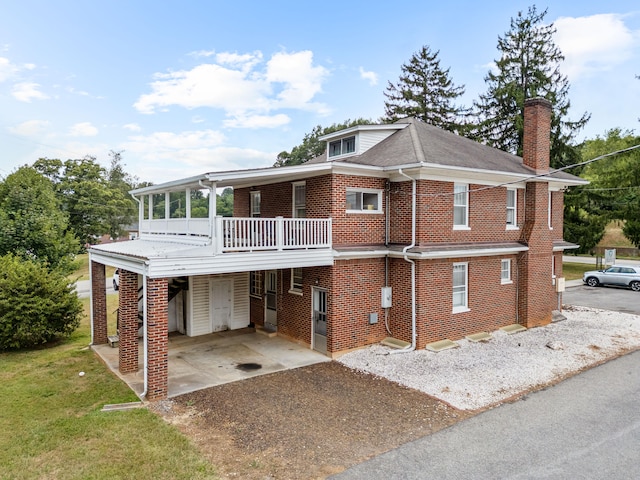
x,y
188,87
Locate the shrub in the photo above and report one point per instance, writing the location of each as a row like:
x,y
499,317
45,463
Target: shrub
x,y
36,305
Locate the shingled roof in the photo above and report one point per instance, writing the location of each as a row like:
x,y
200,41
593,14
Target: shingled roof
x,y
439,147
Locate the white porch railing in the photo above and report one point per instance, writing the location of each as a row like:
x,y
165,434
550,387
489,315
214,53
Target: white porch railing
x,y
231,234
254,234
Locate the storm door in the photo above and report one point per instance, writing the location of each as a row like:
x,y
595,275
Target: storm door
x,y
320,320
271,291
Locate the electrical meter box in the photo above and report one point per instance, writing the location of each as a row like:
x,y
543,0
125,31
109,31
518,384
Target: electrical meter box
x,y
386,297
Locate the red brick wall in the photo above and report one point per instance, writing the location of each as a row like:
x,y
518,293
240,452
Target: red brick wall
x,y
128,321
356,228
99,303
536,142
537,296
157,338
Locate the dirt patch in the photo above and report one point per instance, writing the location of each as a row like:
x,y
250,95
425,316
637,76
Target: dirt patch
x,y
308,422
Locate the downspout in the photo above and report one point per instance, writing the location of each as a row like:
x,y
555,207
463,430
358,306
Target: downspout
x,y
145,340
387,221
412,347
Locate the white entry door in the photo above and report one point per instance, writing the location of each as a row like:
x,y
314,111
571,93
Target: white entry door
x,y
271,296
221,304
319,320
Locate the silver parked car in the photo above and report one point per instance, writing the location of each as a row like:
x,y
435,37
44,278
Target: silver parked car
x,y
621,275
116,280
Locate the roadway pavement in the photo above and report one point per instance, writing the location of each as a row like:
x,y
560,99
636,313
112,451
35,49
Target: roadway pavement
x,y
83,287
585,427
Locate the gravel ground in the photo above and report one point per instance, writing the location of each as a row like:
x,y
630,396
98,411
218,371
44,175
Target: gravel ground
x,y
479,375
314,421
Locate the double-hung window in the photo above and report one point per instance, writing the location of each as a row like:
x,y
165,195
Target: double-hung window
x,y
296,281
299,200
460,287
512,208
364,200
255,203
505,271
460,206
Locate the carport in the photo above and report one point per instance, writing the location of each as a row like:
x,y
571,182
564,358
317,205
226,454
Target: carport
x,y
209,360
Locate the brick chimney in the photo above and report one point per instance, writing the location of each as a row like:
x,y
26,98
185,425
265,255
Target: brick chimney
x,y
536,142
536,293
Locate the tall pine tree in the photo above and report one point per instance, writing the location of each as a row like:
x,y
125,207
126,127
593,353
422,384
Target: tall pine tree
x,y
425,91
528,67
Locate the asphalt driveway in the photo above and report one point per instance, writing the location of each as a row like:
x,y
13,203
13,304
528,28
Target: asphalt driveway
x,y
607,298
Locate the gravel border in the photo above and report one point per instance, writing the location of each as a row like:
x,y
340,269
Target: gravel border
x,y
479,375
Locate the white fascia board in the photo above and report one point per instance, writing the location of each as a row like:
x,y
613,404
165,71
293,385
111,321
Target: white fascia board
x,y
479,252
173,185
361,128
267,175
238,262
565,247
131,264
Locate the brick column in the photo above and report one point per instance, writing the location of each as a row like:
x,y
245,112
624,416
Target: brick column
x,y
158,339
128,322
98,303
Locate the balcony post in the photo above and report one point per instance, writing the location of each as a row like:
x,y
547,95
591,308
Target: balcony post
x,y
218,235
279,232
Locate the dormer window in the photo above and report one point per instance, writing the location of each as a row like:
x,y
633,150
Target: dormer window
x,y
342,146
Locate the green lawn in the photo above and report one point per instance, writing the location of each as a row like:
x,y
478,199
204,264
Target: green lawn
x,y
574,271
83,268
52,426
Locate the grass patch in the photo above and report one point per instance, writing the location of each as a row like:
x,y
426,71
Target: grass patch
x,y
82,273
574,271
53,427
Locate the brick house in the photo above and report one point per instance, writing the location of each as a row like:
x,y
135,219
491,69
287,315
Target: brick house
x,y
402,230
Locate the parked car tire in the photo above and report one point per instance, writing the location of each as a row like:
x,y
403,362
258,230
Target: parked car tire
x,y
115,285
593,282
635,286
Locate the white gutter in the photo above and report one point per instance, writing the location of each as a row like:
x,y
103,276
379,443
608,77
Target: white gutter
x,y
412,347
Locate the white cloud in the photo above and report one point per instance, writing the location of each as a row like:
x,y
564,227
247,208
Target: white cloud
x,y
371,77
27,91
30,128
7,69
202,53
167,155
83,129
594,43
236,84
258,121
132,127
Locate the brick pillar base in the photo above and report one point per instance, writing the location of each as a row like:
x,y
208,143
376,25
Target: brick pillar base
x,y
128,322
98,304
158,339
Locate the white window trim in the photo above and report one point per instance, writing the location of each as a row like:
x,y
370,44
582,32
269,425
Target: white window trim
x,y
549,212
505,281
294,213
465,307
464,226
294,289
513,226
361,191
341,140
259,284
252,195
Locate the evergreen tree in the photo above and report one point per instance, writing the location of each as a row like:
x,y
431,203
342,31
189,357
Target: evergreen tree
x,y
311,147
425,91
528,67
